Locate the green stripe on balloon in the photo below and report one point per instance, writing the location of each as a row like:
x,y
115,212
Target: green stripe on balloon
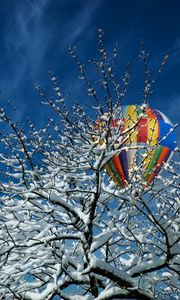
x,y
139,110
153,161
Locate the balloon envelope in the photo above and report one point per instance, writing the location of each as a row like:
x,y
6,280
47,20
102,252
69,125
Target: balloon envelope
x,y
149,144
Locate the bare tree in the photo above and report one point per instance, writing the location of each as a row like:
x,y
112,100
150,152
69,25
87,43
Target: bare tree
x,y
66,229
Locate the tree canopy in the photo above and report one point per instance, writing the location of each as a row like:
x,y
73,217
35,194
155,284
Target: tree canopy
x,y
66,229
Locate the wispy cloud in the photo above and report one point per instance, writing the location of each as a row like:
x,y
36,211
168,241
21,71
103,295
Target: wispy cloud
x,y
80,23
30,38
34,40
25,38
175,53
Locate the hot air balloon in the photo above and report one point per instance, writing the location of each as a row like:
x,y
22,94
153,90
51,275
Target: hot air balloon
x,y
149,144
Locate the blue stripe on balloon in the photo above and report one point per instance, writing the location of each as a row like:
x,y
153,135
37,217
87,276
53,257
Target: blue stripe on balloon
x,y
124,163
170,139
158,115
124,110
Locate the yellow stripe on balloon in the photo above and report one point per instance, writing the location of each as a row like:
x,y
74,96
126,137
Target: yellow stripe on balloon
x,y
130,121
153,132
152,140
148,159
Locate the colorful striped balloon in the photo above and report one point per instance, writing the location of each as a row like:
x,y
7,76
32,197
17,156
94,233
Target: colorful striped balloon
x,y
149,144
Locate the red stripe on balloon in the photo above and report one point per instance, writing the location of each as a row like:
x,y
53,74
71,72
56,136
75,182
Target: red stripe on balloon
x,y
142,131
163,157
152,136
150,113
119,169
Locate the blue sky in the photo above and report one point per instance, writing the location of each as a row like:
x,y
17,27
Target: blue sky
x,y
35,34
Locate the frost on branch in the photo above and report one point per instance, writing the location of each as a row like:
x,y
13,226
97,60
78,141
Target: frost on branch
x,y
65,228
